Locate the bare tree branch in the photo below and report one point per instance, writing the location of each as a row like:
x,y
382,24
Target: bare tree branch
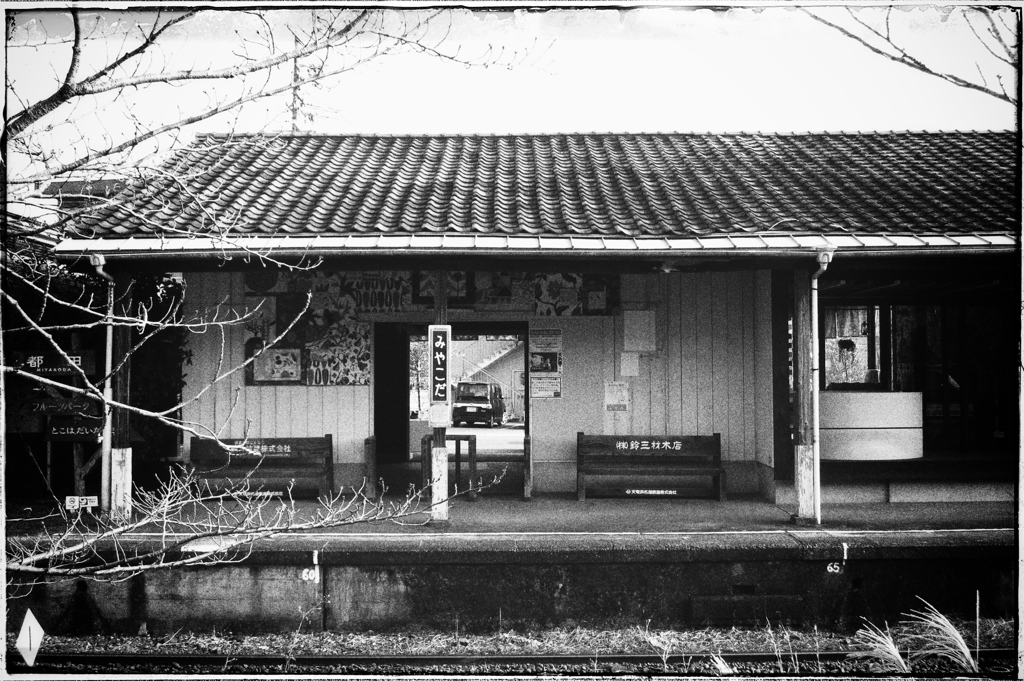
x,y
890,50
45,301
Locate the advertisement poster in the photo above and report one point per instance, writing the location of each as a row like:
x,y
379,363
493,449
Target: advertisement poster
x,y
546,363
546,351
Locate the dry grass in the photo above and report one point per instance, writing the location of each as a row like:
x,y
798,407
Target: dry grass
x,y
881,650
575,640
938,637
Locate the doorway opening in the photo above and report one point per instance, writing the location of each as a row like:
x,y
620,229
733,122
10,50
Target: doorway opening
x,y
488,373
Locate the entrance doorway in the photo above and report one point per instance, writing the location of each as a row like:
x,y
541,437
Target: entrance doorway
x,y
488,374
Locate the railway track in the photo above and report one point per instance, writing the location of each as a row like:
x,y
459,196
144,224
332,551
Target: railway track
x,y
995,662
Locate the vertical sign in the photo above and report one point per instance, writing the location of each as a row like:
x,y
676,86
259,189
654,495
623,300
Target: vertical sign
x,y
440,344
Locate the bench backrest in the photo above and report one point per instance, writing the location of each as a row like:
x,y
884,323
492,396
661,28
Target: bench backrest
x,y
273,452
649,447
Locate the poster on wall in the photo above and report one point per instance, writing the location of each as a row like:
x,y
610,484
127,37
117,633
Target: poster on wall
x,y
546,351
380,291
542,386
325,344
278,366
616,396
568,294
459,288
545,363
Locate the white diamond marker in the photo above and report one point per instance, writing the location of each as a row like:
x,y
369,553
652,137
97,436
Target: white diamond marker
x,y
30,637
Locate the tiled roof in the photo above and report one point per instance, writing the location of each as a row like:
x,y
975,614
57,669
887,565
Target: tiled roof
x,y
628,185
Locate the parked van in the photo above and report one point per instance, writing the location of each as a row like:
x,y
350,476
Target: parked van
x,y
478,403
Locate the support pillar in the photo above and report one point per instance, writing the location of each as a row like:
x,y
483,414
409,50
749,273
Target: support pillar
x,y
803,408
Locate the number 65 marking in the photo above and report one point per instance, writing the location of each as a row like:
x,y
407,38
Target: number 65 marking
x,y
834,567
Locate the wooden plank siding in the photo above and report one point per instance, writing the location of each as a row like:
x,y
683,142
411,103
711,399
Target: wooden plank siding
x,y
713,370
344,412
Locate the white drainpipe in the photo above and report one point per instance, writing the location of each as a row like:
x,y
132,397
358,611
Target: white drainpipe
x,y
824,258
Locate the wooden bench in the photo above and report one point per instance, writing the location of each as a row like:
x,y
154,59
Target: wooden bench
x,y
304,463
643,455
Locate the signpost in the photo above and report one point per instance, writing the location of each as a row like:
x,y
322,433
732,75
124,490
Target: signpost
x,y
439,336
30,638
76,503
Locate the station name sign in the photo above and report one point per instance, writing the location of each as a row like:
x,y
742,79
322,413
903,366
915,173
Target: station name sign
x,y
51,363
440,346
439,338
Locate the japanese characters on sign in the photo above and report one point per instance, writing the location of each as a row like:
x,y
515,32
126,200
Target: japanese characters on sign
x,y
649,444
267,449
440,342
65,406
74,429
51,363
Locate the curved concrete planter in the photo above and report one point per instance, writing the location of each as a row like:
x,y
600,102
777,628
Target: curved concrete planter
x,y
869,426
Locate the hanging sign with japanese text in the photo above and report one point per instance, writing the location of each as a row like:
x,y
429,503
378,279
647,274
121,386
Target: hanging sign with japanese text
x,y
440,338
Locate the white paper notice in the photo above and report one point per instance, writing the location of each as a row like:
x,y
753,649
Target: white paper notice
x,y
616,396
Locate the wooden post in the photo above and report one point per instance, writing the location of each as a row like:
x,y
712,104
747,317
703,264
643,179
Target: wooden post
x,y
439,451
803,357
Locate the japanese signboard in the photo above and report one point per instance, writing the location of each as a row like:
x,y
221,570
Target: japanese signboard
x,y
51,363
74,429
65,406
439,338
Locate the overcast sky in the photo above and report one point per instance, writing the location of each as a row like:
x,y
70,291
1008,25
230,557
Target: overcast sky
x,y
680,69
670,69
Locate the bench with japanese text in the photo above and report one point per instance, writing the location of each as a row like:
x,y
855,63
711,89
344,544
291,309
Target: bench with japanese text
x,y
304,463
643,456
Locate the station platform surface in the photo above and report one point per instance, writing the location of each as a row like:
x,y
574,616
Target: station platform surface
x,y
558,527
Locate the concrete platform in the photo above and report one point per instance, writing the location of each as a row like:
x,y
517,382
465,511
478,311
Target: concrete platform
x,y
553,561
563,513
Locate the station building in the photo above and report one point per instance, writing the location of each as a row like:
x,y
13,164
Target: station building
x,y
654,285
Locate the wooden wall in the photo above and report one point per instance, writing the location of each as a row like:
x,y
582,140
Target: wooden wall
x,y
236,410
712,372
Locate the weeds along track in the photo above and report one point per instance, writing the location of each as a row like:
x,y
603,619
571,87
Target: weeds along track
x,y
994,663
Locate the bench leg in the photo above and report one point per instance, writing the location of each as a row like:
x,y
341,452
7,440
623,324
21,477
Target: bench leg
x,y
581,486
720,479
472,470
